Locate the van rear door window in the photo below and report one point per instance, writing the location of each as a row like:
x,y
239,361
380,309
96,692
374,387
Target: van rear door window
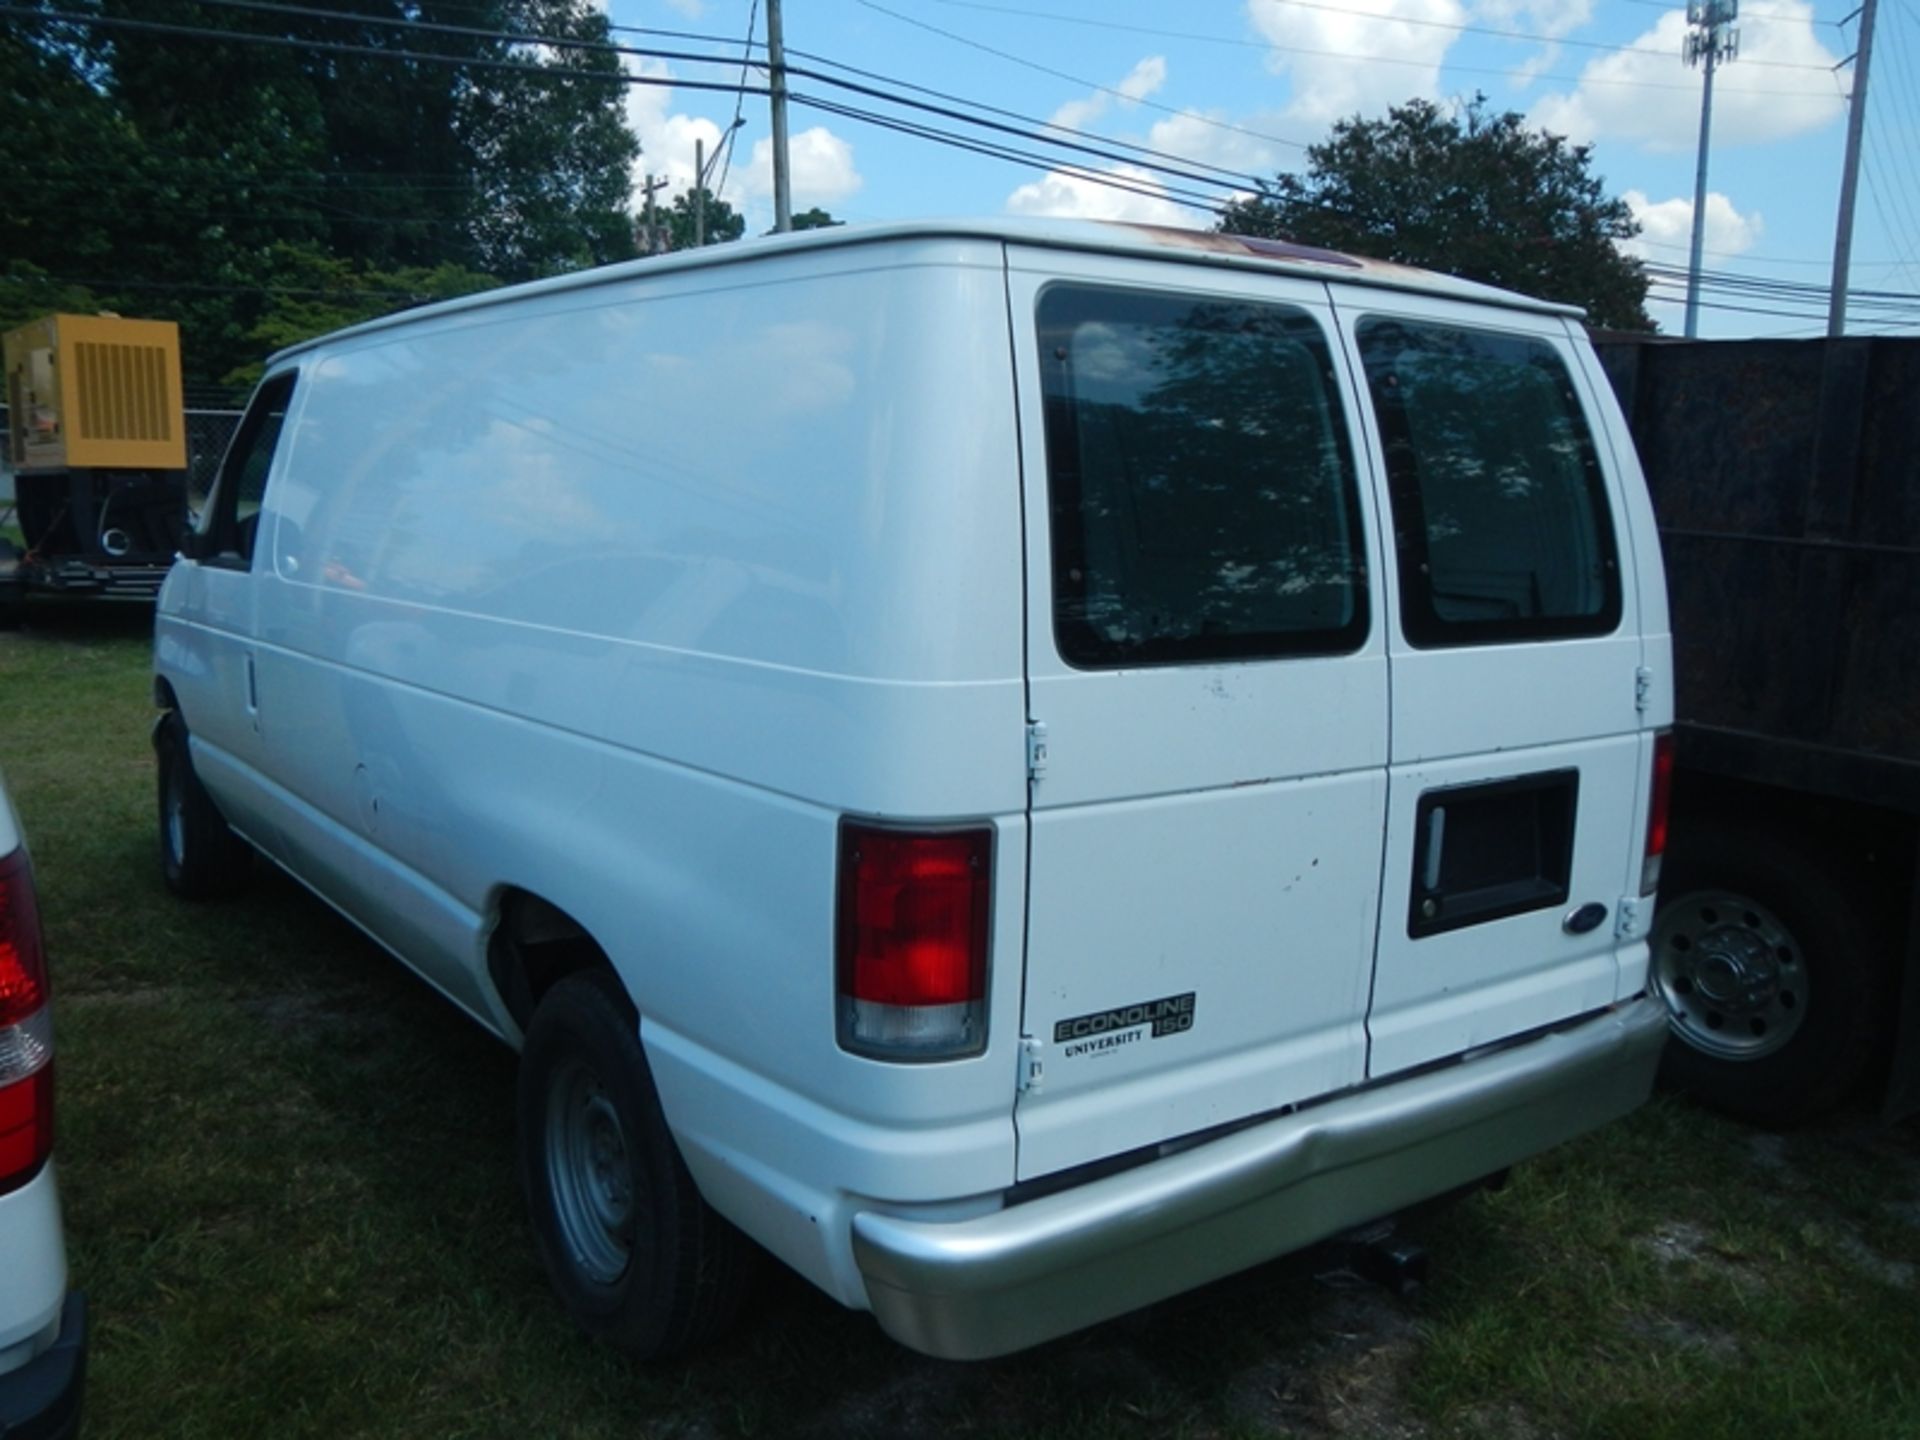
x,y
1200,481
1499,507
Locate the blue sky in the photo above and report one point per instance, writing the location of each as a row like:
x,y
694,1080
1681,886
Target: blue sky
x,y
1246,84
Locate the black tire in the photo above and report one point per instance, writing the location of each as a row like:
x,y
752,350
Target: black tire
x,y
1774,970
13,594
637,1257
200,858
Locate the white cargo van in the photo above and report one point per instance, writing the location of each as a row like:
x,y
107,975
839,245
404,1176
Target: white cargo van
x,y
1024,767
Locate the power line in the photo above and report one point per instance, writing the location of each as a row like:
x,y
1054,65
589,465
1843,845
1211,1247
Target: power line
x,y
1151,189
740,100
1235,175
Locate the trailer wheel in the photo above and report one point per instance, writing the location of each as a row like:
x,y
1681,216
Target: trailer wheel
x,y
1772,971
200,858
636,1255
13,594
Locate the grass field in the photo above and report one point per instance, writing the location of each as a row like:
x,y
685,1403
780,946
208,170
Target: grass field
x,y
286,1167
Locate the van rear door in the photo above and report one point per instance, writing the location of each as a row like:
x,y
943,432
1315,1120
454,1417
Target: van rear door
x,y
1208,686
1518,772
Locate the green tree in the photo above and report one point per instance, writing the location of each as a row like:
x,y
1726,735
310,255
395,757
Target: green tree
x,y
723,222
202,178
814,219
1469,193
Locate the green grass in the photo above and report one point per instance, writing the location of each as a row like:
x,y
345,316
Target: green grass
x,y
287,1175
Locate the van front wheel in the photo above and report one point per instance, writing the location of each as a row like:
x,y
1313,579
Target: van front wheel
x,y
636,1256
200,858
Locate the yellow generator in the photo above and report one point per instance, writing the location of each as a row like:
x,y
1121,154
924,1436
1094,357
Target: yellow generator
x,y
96,441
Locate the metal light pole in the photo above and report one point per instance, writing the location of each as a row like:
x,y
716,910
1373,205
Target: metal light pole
x,y
1710,41
1850,172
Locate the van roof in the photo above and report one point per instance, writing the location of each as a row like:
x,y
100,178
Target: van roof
x,y
1162,242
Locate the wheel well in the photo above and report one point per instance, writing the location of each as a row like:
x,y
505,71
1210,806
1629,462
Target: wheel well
x,y
534,946
163,696
1876,846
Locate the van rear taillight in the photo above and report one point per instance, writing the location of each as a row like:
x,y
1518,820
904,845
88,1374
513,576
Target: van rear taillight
x,y
26,1031
912,941
1659,805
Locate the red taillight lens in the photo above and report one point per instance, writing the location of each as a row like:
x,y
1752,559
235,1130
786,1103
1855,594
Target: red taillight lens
x,y
912,941
23,968
1659,806
26,1031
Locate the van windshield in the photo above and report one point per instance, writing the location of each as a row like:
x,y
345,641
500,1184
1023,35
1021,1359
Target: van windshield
x,y
1498,501
1200,482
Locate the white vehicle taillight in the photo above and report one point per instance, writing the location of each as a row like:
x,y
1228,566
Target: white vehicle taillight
x,y
26,1031
1659,805
912,944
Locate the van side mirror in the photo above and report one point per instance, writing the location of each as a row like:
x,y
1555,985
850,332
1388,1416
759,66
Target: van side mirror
x,y
195,545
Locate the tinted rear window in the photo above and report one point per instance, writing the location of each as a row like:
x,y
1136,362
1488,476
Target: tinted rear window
x,y
1200,481
1499,508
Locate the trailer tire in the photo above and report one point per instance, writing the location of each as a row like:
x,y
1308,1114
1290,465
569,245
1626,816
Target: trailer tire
x,y
200,857
13,593
1773,972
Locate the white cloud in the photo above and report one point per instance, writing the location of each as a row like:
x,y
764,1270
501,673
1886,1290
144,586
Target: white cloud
x,y
1077,198
692,9
1357,59
1645,95
1211,138
823,168
1666,227
1141,81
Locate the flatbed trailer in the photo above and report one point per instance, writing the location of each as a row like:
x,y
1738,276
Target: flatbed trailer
x,y
1786,479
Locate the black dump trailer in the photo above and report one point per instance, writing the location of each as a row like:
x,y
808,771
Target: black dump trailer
x,y
1786,479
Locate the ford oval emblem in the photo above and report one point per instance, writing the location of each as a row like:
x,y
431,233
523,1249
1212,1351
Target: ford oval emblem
x,y
1587,917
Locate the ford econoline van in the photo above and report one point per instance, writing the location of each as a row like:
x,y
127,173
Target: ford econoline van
x,y
1018,767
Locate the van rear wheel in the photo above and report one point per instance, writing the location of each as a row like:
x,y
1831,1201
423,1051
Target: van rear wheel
x,y
1772,973
200,857
637,1257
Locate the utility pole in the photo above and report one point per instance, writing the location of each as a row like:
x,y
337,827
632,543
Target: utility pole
x,y
651,243
777,77
1710,41
699,192
1850,171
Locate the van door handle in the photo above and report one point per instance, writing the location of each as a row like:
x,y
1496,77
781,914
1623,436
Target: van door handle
x,y
253,688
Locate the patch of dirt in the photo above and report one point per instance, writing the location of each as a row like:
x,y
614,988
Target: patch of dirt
x,y
1675,1242
1901,1274
1677,1334
1349,1381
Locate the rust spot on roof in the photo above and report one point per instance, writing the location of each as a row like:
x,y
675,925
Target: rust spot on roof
x,y
1222,244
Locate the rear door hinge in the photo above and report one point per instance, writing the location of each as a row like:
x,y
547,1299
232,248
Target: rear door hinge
x,y
1642,688
1031,1066
1036,749
1626,918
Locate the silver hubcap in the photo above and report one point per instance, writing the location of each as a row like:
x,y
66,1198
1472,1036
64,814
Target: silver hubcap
x,y
1732,975
176,821
589,1174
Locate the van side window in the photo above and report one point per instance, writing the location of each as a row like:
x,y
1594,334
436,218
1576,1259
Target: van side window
x,y
242,486
1200,481
1499,507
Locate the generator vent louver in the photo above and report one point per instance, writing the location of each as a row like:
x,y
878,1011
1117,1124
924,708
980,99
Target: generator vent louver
x,y
126,390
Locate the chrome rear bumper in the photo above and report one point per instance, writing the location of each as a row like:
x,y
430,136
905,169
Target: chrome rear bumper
x,y
970,1289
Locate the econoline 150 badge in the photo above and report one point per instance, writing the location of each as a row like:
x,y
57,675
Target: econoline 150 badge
x,y
1100,1030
